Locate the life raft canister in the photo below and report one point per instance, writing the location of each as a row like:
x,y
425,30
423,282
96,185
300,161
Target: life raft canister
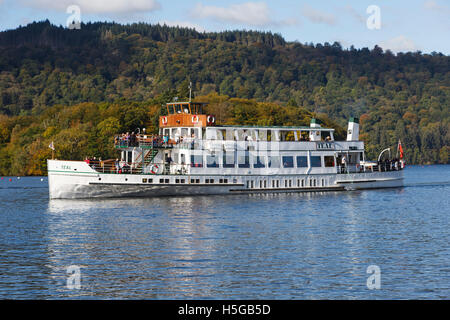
x,y
211,119
164,120
194,119
154,169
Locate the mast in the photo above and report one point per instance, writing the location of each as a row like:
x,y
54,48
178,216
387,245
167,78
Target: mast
x,y
190,91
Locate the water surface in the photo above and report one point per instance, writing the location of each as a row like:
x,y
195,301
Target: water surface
x,y
273,246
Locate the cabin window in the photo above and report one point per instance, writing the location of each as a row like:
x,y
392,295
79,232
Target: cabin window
x,y
228,160
193,133
275,135
316,161
329,161
196,161
150,180
225,180
259,162
262,135
288,162
287,136
166,180
302,162
243,159
161,180
212,161
274,162
144,180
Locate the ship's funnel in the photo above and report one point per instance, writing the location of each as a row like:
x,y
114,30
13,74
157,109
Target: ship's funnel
x,y
314,135
353,129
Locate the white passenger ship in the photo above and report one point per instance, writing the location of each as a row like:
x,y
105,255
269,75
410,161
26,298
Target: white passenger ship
x,y
192,155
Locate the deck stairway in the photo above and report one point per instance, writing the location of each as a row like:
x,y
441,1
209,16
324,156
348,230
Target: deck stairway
x,y
149,156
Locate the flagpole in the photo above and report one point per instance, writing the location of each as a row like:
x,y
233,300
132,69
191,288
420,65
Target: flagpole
x,y
398,144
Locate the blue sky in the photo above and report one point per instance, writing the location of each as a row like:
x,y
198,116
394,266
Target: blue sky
x,y
406,25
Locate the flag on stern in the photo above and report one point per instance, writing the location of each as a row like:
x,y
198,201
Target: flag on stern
x,y
51,146
400,149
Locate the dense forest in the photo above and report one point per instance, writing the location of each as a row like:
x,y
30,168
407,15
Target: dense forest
x,y
79,87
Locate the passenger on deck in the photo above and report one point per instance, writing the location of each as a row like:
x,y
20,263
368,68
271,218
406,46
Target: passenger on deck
x,y
132,140
396,164
344,164
117,165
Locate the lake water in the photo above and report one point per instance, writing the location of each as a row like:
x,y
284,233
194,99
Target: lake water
x,y
276,246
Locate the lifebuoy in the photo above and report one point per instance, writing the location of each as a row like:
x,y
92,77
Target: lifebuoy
x,y
164,120
194,119
211,119
154,169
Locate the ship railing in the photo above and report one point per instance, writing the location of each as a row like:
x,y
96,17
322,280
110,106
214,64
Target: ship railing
x,y
380,167
111,166
121,167
146,142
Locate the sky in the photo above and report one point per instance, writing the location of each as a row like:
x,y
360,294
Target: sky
x,y
397,25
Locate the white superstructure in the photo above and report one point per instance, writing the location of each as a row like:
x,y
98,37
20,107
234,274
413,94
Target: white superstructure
x,y
191,155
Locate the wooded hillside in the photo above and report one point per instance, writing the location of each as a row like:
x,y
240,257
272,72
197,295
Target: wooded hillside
x,y
78,87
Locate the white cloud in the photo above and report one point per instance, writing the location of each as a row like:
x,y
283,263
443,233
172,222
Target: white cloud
x,y
97,6
249,13
183,24
317,16
399,44
355,14
433,5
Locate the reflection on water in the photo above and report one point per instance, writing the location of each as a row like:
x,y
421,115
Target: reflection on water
x,y
261,246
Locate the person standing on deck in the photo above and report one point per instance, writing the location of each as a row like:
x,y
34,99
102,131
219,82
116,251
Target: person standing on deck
x,y
344,164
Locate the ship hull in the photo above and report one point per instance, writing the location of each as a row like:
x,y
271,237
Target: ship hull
x,y
77,180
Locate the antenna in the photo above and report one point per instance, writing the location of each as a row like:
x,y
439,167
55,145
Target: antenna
x,y
190,91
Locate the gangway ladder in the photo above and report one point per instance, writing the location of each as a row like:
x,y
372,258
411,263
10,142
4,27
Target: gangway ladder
x,y
148,157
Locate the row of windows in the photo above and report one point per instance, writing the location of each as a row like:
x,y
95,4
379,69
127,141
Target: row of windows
x,y
243,161
252,184
286,183
145,180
